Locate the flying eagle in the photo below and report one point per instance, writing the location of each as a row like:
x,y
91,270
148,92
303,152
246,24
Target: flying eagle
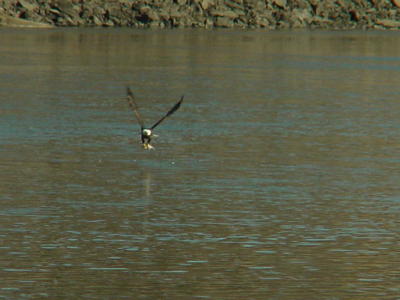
x,y
147,133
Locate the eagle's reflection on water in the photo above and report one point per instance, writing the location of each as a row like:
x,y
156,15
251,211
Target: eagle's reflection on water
x,y
147,182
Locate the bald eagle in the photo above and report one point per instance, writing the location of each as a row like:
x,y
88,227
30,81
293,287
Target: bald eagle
x,y
147,132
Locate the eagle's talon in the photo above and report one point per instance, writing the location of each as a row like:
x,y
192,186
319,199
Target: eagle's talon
x,y
147,146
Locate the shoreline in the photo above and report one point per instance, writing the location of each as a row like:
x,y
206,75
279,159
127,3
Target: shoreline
x,y
207,14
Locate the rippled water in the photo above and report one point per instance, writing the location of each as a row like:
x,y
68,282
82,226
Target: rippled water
x,y
277,178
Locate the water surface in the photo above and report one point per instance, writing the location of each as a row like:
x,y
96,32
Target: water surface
x,y
277,178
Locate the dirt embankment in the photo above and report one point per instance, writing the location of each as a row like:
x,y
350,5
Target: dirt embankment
x,y
268,14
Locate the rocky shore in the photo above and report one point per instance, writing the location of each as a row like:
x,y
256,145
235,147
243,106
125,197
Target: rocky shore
x,y
268,14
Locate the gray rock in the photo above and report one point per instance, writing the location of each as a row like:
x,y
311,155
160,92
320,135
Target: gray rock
x,y
175,13
263,22
230,14
114,11
29,6
301,15
280,3
17,22
388,23
97,21
223,22
396,3
55,11
206,4
235,5
149,13
209,23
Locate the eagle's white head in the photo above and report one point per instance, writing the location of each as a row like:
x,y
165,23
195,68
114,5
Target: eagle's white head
x,y
147,132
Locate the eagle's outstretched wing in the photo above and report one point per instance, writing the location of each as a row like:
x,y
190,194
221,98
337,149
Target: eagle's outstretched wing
x,y
170,112
133,105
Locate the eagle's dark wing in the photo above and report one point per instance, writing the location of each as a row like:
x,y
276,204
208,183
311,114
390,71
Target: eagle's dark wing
x,y
170,112
134,107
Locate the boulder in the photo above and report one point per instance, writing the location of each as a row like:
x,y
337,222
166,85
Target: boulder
x,y
235,4
29,6
175,13
300,18
206,4
280,3
149,13
224,22
10,21
396,3
230,14
388,23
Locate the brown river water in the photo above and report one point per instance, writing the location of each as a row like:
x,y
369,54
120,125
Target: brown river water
x,y
278,178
